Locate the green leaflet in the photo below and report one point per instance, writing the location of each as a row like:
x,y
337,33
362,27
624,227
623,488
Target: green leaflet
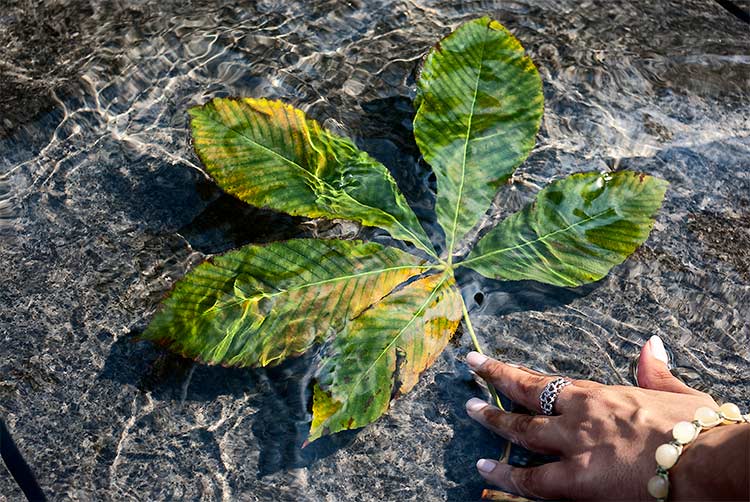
x,y
261,304
269,154
575,232
382,350
479,105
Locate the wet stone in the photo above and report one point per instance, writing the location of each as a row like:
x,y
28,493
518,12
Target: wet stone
x,y
103,207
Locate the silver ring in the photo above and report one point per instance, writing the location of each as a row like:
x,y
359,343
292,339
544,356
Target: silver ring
x,y
549,395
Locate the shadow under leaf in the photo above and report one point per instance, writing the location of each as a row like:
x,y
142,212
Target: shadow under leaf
x,y
281,394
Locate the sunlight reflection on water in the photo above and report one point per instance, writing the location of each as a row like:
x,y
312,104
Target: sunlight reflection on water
x,y
103,205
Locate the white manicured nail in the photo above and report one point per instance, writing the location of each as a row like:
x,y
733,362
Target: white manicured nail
x,y
475,359
486,466
475,404
658,350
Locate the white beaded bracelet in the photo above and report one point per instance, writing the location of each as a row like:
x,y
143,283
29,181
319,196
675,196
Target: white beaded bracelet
x,y
685,433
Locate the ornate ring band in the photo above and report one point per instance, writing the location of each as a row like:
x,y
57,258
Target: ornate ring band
x,y
549,395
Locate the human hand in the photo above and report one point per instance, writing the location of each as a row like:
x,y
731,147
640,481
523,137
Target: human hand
x,y
604,435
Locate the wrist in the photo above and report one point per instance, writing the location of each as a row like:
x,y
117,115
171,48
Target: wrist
x,y
714,467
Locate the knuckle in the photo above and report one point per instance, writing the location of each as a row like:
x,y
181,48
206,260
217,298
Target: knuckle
x,y
491,369
582,435
582,432
492,416
584,463
580,479
534,436
526,480
530,385
524,430
659,379
591,398
522,425
641,418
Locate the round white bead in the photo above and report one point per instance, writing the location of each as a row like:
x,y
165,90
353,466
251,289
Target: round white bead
x,y
684,432
658,487
731,411
707,417
667,455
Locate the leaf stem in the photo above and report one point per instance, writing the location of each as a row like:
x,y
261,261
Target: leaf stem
x,y
472,333
506,453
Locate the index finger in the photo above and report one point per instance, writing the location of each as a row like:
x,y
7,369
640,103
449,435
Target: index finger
x,y
520,386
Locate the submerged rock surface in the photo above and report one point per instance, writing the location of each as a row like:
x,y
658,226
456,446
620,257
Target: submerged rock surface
x,y
103,206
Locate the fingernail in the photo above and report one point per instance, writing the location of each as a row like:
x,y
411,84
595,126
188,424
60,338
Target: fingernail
x,y
486,465
658,350
475,359
475,404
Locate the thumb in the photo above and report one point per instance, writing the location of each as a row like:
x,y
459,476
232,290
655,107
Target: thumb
x,y
653,369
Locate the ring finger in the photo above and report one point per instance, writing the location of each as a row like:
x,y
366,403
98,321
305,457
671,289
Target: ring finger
x,y
584,384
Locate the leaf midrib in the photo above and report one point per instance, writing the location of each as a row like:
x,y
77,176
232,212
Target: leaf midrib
x,y
422,245
319,283
539,239
416,315
466,148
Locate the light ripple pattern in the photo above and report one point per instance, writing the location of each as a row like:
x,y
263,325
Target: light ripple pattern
x,y
105,206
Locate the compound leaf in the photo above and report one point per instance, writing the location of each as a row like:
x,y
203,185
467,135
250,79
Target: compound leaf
x,y
263,303
575,232
382,352
381,317
479,106
268,154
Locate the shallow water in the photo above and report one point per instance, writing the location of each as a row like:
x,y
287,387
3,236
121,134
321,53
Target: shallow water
x,y
103,205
